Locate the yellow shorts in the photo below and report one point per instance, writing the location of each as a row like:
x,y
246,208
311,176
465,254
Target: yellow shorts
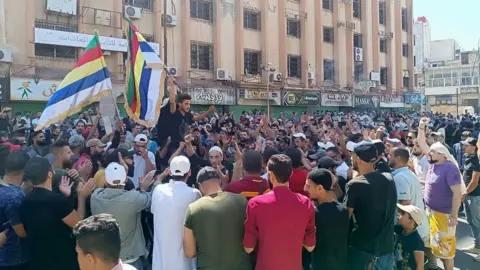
x,y
442,237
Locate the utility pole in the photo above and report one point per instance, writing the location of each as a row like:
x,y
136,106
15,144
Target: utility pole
x,y
164,18
165,47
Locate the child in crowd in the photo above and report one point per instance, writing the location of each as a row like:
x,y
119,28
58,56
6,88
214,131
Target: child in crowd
x,y
409,253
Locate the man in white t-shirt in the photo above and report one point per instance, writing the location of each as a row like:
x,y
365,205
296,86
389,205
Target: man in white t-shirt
x,y
169,206
408,186
420,164
143,160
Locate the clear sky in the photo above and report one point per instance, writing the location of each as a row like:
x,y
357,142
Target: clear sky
x,y
451,19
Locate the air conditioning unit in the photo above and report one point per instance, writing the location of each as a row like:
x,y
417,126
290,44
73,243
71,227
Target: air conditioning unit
x,y
172,71
133,12
222,74
358,54
169,20
6,55
311,75
277,77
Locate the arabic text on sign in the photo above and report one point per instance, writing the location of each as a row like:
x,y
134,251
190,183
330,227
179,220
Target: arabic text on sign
x,y
259,94
209,96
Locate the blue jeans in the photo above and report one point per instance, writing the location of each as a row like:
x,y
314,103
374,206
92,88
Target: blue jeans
x,y
385,262
472,209
138,264
360,260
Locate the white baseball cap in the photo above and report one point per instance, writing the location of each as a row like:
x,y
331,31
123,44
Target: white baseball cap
x,y
216,149
141,138
179,166
115,174
299,135
351,145
325,145
414,212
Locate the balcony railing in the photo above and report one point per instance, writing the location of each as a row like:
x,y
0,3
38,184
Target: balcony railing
x,y
446,82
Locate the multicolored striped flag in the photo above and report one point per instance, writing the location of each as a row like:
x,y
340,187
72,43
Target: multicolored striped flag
x,y
145,79
85,84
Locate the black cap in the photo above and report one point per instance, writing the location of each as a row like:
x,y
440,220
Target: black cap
x,y
321,177
380,146
312,155
207,173
367,152
113,156
327,163
470,142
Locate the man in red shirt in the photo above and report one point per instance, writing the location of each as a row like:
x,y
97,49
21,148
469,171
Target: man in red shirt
x,y
299,174
252,183
280,222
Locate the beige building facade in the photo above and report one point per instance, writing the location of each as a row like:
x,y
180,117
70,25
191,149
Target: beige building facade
x,y
321,45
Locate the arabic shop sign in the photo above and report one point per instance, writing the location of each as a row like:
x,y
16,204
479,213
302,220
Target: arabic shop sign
x,y
336,99
391,101
367,101
27,90
211,96
79,40
300,99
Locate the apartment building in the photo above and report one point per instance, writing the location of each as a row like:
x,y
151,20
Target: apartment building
x,y
225,52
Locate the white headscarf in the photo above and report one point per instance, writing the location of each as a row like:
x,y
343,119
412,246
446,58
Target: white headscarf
x,y
441,149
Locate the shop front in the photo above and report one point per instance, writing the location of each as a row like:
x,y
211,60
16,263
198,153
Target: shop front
x,y
336,101
300,101
252,99
32,94
392,102
203,97
414,100
366,102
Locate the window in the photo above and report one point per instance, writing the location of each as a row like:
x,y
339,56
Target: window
x,y
357,40
294,66
383,45
358,71
328,35
328,70
201,9
414,61
201,56
293,28
405,49
327,4
464,58
55,51
252,61
382,13
383,76
404,19
406,82
357,9
147,4
251,20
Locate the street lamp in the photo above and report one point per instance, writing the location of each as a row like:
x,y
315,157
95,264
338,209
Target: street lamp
x,y
268,69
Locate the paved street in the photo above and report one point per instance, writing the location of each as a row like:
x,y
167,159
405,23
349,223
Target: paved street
x,y
464,261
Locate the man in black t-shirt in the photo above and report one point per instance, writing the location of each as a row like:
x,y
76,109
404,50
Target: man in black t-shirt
x,y
331,220
471,174
49,217
371,198
180,116
381,165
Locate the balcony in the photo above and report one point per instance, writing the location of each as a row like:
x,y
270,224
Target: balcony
x,y
447,82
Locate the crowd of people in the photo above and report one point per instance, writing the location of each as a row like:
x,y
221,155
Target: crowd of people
x,y
322,190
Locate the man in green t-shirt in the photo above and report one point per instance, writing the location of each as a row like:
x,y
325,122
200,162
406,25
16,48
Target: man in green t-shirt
x,y
214,226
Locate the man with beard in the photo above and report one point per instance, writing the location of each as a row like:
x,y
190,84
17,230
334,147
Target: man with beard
x,y
471,175
92,153
371,198
443,196
79,128
420,164
408,187
37,149
458,149
410,140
